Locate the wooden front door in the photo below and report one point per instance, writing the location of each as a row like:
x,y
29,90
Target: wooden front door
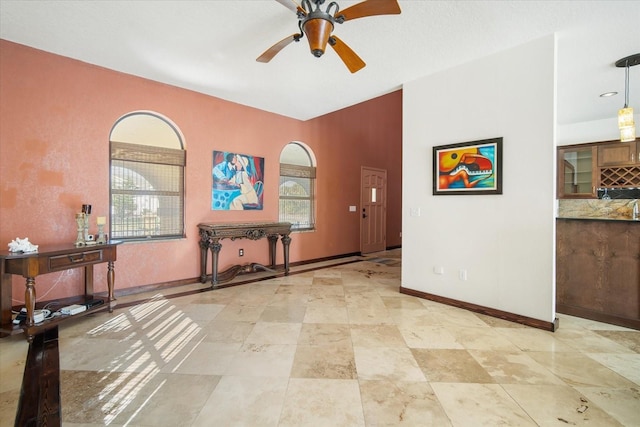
x,y
373,210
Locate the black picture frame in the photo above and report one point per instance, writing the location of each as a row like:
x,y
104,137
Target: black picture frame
x,y
469,168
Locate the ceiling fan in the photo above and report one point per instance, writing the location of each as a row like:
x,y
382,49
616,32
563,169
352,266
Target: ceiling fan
x,y
318,25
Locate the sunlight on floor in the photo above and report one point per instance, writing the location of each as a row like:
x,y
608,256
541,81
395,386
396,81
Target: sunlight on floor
x,y
166,328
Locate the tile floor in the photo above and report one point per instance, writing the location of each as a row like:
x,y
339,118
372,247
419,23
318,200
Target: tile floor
x,y
337,346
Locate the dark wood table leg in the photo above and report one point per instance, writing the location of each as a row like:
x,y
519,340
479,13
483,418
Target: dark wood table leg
x,y
88,281
215,250
273,242
111,279
31,269
39,403
6,294
204,254
30,299
286,241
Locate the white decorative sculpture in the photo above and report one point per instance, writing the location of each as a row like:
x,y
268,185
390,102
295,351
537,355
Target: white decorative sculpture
x,y
22,245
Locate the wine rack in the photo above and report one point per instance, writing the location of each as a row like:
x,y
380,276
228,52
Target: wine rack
x,y
621,176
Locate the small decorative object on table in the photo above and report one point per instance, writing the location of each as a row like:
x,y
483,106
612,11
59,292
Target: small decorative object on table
x,y
101,221
82,221
22,245
86,210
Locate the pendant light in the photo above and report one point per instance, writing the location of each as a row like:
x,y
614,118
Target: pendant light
x,y
626,124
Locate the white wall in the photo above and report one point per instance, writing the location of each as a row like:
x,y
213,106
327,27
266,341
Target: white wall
x,y
593,131
505,242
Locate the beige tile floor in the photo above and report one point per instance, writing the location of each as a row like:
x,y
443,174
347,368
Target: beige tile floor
x,y
337,346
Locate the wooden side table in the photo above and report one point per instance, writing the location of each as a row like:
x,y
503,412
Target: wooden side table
x,y
49,259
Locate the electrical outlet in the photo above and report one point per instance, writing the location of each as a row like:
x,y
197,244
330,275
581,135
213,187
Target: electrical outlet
x,y
240,252
462,274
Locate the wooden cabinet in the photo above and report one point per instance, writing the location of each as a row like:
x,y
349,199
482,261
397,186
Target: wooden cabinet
x,y
621,153
619,166
598,270
584,168
577,172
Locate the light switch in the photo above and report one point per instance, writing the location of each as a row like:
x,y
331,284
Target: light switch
x,y
352,208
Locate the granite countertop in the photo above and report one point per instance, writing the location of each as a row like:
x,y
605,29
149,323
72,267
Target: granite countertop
x,y
619,219
597,209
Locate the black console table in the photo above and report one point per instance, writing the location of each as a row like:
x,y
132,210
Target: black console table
x,y
211,234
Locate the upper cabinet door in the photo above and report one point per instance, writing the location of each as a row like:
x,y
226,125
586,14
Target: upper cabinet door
x,y
577,172
621,153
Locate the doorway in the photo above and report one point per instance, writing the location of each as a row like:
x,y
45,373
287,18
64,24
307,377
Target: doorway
x,y
373,215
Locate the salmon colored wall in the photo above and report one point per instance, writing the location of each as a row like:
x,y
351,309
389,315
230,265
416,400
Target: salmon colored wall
x,y
55,118
368,134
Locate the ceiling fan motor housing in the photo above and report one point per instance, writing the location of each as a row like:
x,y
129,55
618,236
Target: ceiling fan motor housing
x,y
318,25
318,31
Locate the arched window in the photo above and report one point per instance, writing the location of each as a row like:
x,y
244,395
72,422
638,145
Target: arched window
x,y
297,185
147,178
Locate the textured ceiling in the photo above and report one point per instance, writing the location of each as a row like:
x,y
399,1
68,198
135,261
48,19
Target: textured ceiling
x,y
211,46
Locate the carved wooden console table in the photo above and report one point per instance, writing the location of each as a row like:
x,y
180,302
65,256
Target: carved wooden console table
x,y
211,234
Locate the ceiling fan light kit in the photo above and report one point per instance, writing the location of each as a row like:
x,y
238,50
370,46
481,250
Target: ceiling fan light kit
x,y
626,123
318,25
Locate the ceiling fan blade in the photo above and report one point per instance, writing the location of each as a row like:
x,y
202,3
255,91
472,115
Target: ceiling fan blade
x,y
273,50
370,8
348,56
291,5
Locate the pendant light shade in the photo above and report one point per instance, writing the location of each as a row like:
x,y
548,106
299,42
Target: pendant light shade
x,y
625,117
626,123
628,133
